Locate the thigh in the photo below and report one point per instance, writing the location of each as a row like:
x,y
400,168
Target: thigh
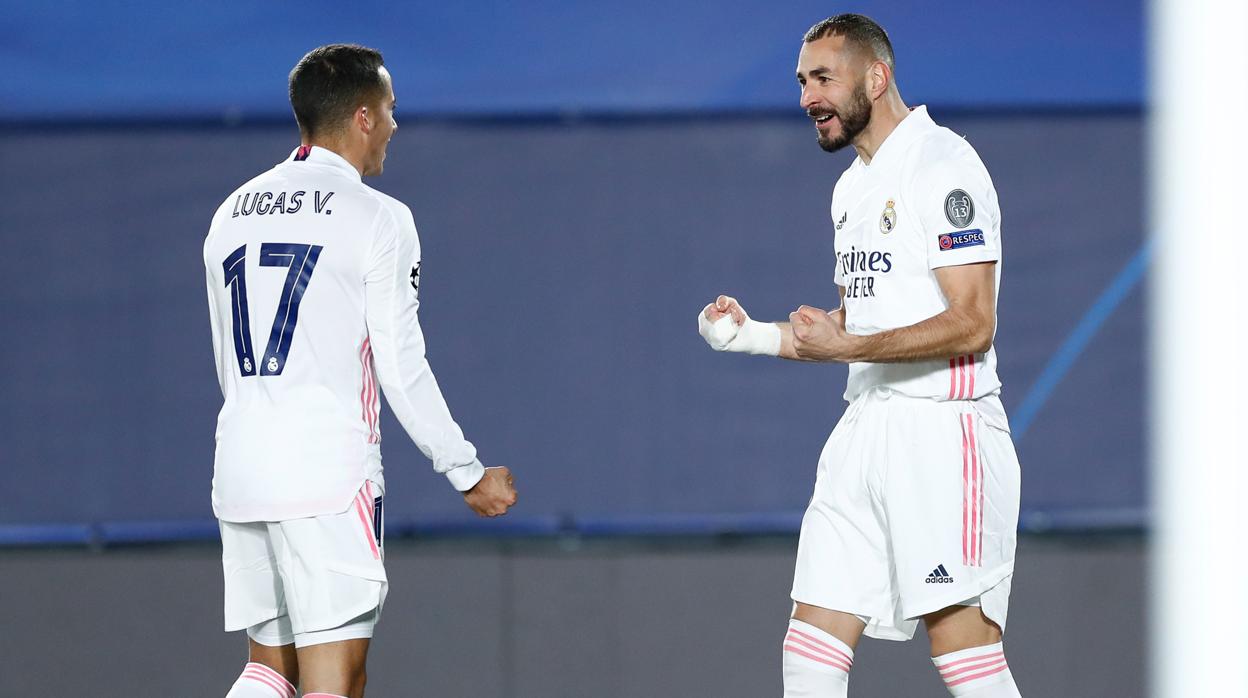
x,y
845,627
332,566
843,560
958,628
951,497
253,585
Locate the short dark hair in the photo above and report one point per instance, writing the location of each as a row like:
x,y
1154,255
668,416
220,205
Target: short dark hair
x,y
858,29
331,82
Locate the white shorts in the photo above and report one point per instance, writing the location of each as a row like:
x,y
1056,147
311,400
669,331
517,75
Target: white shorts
x,y
291,581
915,509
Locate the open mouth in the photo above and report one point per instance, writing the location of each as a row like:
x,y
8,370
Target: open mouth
x,y
824,120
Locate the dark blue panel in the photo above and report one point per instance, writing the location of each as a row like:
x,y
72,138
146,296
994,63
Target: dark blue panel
x,y
563,268
45,534
139,532
230,59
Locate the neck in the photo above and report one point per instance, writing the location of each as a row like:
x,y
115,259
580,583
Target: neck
x,y
888,112
340,147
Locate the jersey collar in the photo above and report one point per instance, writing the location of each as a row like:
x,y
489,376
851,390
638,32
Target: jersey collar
x,y
905,133
317,155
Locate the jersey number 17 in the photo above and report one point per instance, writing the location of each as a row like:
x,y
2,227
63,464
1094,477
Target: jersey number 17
x,y
300,261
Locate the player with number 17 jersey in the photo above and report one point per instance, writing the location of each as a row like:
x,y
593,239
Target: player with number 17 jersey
x,y
312,286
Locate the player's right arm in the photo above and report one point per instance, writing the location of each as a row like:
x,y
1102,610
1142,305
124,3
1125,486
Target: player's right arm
x,y
726,326
214,322
407,380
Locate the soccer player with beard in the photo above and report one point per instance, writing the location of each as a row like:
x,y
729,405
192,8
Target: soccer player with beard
x,y
916,493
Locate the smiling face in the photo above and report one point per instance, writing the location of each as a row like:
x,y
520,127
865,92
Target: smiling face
x,y
834,90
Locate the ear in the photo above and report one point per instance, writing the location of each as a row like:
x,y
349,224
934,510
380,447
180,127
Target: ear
x,y
363,120
879,77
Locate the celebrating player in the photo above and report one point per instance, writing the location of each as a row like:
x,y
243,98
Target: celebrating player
x,y
320,273
916,494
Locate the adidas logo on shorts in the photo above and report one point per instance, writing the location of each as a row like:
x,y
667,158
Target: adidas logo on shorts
x,y
939,576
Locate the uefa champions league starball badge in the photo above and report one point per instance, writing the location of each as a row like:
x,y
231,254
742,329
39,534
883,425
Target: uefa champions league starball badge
x,y
888,219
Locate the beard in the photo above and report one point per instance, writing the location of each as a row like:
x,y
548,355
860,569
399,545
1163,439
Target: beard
x,y
854,119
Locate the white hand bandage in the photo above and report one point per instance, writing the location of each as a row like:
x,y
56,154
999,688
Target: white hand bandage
x,y
751,338
719,333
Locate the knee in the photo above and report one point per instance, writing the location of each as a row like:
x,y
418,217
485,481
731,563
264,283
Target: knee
x,y
844,626
946,639
959,628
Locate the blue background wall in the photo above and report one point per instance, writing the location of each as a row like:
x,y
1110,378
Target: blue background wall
x,y
565,258
156,59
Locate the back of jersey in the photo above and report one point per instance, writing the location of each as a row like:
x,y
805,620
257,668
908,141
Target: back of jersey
x,y
287,258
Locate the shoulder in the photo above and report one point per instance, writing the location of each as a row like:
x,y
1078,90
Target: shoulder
x,y
245,187
394,227
391,210
225,209
942,159
942,148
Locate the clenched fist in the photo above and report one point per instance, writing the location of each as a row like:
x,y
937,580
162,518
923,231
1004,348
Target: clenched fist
x,y
725,326
719,322
819,335
725,305
494,494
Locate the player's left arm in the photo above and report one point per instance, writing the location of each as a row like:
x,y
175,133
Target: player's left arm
x,y
789,341
966,326
960,224
398,345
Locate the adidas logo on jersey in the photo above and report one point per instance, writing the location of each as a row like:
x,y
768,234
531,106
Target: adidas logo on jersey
x,y
939,576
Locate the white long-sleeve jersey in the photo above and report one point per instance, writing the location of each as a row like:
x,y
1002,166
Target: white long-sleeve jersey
x,y
312,291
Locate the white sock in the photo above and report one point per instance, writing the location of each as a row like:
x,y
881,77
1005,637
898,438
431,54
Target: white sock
x,y
816,664
980,672
322,695
260,681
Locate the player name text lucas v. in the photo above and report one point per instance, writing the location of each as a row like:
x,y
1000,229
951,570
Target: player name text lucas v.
x,y
265,203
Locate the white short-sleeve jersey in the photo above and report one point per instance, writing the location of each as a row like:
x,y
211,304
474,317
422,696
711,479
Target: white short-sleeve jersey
x,y
924,202
312,292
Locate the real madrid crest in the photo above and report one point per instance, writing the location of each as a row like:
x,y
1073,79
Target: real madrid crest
x,y
888,219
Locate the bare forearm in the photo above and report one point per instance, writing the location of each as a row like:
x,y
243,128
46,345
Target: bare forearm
x,y
787,350
786,342
952,332
965,327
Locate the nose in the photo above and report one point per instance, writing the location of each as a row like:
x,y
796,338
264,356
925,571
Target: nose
x,y
808,99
